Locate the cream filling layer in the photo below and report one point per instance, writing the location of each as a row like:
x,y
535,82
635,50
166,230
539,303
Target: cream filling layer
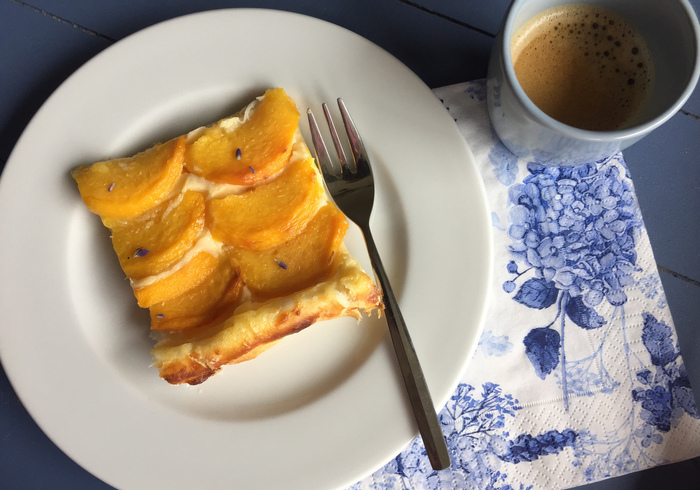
x,y
206,243
217,190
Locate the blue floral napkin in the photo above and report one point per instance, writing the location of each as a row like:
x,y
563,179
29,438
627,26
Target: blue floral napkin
x,y
578,375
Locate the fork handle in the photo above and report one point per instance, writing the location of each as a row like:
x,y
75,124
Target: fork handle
x,y
418,393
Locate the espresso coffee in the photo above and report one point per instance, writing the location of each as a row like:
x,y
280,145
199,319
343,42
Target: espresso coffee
x,y
584,66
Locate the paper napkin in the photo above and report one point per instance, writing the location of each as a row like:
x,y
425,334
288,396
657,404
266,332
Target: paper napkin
x,y
578,375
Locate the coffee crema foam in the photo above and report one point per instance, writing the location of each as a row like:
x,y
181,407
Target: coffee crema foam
x,y
584,66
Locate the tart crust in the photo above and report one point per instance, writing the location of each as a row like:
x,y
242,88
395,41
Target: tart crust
x,y
192,357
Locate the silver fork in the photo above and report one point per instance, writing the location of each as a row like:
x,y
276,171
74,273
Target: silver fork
x,y
352,190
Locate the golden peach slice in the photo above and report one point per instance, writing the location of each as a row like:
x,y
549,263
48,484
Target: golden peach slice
x,y
155,240
183,279
271,213
298,263
212,300
257,149
127,187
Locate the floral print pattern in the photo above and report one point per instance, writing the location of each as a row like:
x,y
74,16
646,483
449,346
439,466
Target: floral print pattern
x,y
574,231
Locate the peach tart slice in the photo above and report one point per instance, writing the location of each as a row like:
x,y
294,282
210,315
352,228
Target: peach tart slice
x,y
155,240
212,299
269,214
248,152
228,238
127,187
297,263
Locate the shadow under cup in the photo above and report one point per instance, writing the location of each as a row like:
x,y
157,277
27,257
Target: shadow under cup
x,y
671,30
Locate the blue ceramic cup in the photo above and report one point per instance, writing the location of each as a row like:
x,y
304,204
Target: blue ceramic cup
x,y
671,30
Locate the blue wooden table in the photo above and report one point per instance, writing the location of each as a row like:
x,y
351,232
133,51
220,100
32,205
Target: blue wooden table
x,y
444,42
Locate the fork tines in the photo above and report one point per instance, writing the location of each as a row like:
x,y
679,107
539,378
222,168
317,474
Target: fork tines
x,y
325,162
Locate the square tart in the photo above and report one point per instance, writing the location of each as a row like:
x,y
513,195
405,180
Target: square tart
x,y
228,238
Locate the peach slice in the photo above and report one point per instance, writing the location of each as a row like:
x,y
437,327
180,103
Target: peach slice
x,y
257,149
155,240
183,279
212,300
127,187
298,263
271,213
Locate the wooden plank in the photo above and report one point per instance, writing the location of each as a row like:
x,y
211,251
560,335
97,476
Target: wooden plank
x,y
36,55
665,171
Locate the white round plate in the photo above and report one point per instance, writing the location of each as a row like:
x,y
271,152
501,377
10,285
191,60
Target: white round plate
x,y
325,407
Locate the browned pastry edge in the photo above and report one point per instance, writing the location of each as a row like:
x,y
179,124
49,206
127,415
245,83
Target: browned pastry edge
x,y
193,358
